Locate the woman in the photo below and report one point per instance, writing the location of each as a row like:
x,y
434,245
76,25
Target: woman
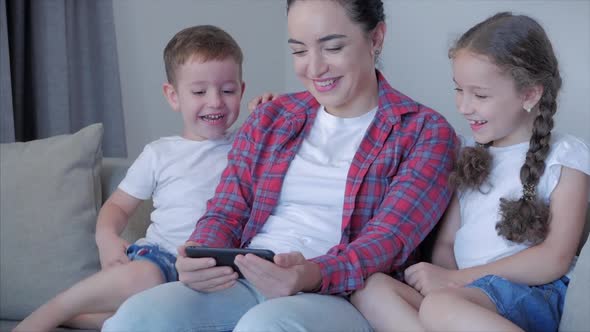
x,y
341,181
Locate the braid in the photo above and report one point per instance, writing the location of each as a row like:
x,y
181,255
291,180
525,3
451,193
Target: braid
x,y
527,219
472,168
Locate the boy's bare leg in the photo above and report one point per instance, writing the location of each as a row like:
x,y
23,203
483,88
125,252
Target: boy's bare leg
x,y
88,321
102,292
388,304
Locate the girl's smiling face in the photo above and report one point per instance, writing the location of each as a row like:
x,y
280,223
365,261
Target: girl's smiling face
x,y
487,97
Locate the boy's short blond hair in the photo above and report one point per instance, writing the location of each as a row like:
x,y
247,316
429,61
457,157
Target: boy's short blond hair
x,y
205,42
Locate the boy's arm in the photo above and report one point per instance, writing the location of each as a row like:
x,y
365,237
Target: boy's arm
x,y
443,252
112,220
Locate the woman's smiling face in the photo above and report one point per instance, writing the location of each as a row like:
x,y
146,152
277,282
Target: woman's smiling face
x,y
334,57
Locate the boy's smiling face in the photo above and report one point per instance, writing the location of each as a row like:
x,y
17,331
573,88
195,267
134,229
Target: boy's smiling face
x,y
208,95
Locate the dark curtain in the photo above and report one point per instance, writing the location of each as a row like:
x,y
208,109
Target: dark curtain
x,y
59,70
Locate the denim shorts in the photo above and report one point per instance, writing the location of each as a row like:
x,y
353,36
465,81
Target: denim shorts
x,y
143,250
532,308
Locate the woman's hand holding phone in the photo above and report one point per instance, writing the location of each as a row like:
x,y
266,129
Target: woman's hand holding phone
x,y
201,274
290,274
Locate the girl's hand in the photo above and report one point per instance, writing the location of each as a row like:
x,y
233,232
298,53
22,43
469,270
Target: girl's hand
x,y
112,251
265,97
201,274
426,277
290,274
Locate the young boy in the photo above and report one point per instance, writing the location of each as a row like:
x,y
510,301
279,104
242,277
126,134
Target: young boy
x,y
204,72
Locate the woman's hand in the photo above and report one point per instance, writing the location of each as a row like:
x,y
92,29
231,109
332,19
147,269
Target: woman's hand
x,y
290,274
426,277
112,250
265,97
201,274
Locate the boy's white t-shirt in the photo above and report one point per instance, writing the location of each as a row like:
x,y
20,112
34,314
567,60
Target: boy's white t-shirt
x,y
180,175
308,215
477,241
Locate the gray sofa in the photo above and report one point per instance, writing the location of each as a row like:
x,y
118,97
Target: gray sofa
x,y
51,191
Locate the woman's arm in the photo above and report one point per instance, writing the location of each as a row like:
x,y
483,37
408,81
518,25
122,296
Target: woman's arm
x,y
552,258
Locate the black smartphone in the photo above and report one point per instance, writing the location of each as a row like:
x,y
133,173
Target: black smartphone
x,y
226,256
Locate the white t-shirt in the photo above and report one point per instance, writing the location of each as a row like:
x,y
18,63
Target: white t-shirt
x,y
308,216
180,175
477,241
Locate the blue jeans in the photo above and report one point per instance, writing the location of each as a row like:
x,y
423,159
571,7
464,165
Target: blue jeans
x,y
532,308
143,250
175,307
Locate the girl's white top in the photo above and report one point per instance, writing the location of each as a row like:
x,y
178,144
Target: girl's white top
x,y
477,242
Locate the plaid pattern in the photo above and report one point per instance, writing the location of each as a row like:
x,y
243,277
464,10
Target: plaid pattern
x,y
396,189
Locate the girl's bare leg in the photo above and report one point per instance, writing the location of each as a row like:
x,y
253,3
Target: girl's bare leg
x,y
388,304
462,309
101,293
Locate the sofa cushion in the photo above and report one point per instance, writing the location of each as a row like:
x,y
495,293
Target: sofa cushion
x,y
50,196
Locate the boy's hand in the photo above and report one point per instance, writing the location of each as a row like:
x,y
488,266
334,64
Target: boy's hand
x,y
201,273
112,251
265,97
290,274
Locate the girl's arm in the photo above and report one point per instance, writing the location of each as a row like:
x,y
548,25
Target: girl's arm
x,y
443,252
552,258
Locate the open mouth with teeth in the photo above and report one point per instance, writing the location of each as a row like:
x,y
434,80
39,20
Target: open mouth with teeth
x,y
212,117
325,85
477,124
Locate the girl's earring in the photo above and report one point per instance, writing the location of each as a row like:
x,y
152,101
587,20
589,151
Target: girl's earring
x,y
377,51
528,109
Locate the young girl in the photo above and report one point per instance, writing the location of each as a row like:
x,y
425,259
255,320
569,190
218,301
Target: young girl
x,y
514,226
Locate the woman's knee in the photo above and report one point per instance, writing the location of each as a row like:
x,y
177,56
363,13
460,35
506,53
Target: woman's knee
x,y
131,315
150,310
264,317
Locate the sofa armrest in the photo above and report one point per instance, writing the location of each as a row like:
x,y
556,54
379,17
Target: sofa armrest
x,y
113,172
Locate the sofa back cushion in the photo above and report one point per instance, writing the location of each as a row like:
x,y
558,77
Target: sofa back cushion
x,y
50,196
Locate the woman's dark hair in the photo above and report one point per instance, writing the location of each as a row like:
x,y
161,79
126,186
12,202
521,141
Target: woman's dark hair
x,y
367,13
519,46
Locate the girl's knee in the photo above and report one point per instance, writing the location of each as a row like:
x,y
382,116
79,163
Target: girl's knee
x,y
435,305
373,286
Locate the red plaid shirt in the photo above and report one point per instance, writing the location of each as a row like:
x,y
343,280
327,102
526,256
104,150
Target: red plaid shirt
x,y
396,190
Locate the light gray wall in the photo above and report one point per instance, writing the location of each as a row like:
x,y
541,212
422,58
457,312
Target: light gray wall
x,y
143,27
420,33
414,58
